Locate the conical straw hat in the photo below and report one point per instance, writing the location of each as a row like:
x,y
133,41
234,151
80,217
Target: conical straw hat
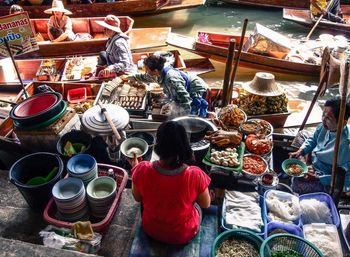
x,y
57,6
263,84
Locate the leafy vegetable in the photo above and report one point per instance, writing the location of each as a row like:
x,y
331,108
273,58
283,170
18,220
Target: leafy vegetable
x,y
288,253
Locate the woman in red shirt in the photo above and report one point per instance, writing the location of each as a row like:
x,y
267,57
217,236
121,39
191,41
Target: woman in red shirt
x,y
170,191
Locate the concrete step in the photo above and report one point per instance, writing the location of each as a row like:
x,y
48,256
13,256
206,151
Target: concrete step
x,y
15,248
20,227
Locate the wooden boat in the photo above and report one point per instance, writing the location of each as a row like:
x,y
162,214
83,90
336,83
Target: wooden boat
x,y
197,66
217,48
298,4
124,7
29,68
303,17
139,38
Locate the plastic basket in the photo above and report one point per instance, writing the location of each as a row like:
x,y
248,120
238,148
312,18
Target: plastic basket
x,y
285,242
98,225
240,234
289,228
296,222
228,226
323,197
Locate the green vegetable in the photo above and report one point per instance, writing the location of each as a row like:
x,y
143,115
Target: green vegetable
x,y
288,253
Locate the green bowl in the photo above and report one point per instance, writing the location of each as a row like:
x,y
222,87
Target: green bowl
x,y
287,162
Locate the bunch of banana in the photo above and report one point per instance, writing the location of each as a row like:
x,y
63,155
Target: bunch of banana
x,y
252,104
277,104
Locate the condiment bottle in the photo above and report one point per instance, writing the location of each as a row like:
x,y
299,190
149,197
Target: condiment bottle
x,y
110,173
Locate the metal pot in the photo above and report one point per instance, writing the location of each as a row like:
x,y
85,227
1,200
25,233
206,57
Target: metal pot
x,y
196,129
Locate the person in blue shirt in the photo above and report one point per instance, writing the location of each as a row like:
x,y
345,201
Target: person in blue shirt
x,y
320,149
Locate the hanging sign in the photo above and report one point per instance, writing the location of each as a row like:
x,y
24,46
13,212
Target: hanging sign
x,y
17,31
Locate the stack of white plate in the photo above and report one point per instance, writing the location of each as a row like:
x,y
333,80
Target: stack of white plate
x,y
82,166
70,198
101,193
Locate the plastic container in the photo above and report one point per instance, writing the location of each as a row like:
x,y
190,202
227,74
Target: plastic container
x,y
77,95
32,165
344,222
228,226
329,238
285,242
323,197
101,224
74,136
290,228
240,234
283,195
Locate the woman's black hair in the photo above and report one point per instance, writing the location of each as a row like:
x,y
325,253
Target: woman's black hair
x,y
334,103
172,143
154,62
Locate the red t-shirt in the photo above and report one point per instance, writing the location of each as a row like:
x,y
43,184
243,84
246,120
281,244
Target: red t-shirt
x,y
169,214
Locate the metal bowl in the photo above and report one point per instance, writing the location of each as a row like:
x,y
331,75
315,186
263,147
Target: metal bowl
x,y
250,175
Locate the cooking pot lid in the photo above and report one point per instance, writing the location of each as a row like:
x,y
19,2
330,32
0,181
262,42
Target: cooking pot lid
x,y
95,122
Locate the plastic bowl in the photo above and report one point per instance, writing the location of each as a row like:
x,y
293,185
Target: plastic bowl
x,y
101,188
134,145
290,161
67,189
81,164
37,108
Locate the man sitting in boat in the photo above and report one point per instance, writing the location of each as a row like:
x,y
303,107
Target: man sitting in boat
x,y
321,148
59,27
117,58
187,90
319,7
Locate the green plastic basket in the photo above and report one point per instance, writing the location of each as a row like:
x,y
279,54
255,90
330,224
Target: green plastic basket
x,y
240,234
288,242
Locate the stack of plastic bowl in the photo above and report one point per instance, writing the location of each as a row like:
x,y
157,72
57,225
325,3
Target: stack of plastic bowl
x,y
82,166
101,193
70,198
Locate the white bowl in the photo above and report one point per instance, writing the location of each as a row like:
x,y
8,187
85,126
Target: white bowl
x,y
134,145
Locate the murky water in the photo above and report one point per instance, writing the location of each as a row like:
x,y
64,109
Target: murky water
x,y
228,19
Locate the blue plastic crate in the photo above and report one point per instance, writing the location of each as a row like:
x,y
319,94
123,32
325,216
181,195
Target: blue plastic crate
x,y
290,228
229,227
323,197
296,222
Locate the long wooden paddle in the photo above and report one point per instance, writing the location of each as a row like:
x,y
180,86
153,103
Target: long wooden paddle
x,y
318,21
343,89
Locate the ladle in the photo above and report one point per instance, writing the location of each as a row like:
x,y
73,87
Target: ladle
x,y
42,180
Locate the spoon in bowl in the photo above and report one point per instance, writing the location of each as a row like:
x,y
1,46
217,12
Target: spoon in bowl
x,y
42,180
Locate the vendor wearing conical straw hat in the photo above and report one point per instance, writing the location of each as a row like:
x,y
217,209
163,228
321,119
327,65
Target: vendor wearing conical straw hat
x,y
117,58
59,27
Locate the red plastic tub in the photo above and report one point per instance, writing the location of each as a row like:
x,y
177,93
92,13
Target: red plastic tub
x,y
98,225
77,95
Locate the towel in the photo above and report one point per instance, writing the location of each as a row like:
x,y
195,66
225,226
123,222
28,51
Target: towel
x,y
83,230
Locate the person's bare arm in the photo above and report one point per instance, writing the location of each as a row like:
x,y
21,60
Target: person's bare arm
x,y
204,199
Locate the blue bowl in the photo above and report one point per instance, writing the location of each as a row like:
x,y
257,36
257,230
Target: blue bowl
x,y
290,161
81,164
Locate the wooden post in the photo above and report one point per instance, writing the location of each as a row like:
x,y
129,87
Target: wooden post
x,y
16,68
343,89
233,75
228,69
314,99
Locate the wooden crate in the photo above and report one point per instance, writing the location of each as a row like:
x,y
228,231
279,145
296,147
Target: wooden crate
x,y
45,139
